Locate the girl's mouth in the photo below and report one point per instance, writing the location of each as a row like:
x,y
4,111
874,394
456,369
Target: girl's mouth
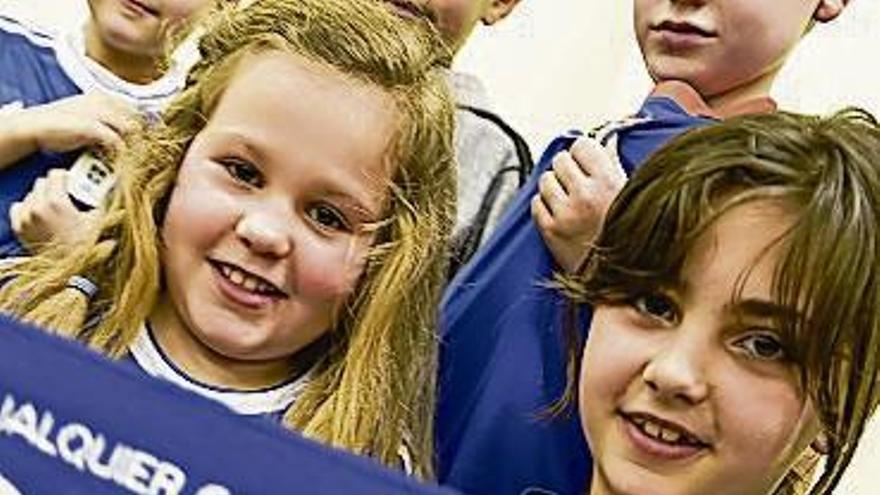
x,y
244,287
661,439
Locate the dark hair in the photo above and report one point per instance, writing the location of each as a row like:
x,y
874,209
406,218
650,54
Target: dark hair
x,y
827,172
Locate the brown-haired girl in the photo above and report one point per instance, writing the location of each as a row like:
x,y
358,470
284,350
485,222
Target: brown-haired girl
x,y
736,320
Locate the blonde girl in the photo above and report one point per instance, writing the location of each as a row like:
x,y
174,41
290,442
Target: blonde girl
x,y
283,231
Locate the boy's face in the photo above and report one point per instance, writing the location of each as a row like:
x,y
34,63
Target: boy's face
x,y
140,27
455,19
724,47
687,388
267,227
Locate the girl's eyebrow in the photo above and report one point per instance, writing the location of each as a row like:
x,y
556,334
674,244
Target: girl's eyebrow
x,y
763,309
238,140
359,207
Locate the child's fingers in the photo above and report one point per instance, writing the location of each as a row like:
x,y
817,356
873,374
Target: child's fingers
x,y
38,191
104,136
122,120
569,174
56,185
551,191
541,214
594,160
121,124
21,213
112,111
17,216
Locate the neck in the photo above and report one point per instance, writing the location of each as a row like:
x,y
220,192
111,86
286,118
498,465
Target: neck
x,y
206,365
134,68
756,88
598,484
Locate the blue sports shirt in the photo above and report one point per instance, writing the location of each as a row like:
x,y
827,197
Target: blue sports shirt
x,y
38,67
502,360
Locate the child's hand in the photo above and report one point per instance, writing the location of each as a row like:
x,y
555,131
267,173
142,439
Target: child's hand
x,y
47,213
92,119
573,198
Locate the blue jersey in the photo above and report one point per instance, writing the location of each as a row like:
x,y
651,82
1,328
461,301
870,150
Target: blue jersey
x,y
271,402
72,422
39,67
502,360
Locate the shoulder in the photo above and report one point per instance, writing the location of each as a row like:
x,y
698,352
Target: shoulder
x,y
27,33
30,71
467,89
482,133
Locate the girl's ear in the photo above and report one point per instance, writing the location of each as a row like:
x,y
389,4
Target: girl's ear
x,y
497,10
820,444
828,10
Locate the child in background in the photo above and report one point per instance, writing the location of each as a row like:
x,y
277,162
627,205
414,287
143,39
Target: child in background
x,y
272,252
502,362
89,87
736,317
493,159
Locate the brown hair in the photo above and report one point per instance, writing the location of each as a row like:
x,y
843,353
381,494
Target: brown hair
x,y
373,392
828,171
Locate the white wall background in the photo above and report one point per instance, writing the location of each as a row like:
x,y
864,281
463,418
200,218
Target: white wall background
x,y
559,64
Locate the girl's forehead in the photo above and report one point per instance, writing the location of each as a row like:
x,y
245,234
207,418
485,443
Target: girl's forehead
x,y
299,121
739,250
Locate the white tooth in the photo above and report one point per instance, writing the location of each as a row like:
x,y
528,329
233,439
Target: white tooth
x,y
670,436
250,284
224,270
263,287
652,429
236,277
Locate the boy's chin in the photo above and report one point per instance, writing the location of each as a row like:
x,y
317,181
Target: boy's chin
x,y
132,42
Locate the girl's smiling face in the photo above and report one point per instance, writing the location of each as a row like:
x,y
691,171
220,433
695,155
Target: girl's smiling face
x,y
268,225
688,388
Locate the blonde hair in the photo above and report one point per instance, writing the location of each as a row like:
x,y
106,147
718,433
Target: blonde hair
x,y
374,389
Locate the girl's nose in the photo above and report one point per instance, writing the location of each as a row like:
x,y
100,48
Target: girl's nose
x,y
265,233
677,371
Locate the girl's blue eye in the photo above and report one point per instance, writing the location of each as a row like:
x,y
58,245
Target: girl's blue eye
x,y
655,306
763,346
328,217
243,171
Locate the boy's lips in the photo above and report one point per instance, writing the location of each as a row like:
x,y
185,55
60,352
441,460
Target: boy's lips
x,y
684,28
411,10
140,7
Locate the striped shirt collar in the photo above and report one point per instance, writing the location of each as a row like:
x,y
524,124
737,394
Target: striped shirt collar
x,y
269,401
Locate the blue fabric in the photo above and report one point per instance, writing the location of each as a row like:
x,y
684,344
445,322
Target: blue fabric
x,y
30,75
502,360
64,409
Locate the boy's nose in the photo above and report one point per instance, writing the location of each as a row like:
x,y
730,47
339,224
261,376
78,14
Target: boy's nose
x,y
677,373
265,234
